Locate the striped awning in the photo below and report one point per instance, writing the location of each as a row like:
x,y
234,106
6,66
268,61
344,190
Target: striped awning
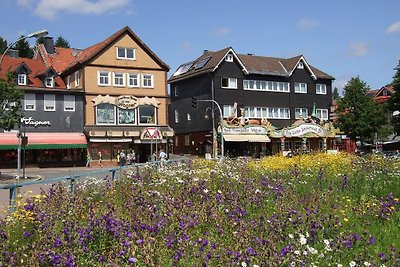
x,y
58,140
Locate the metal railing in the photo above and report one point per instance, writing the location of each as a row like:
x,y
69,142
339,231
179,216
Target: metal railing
x,y
72,178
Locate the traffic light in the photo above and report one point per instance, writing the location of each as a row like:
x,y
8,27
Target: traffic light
x,y
194,102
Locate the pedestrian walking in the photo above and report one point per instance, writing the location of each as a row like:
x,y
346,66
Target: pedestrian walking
x,y
88,160
163,157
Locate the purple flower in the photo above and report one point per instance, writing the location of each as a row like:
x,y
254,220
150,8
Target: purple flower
x,y
285,251
132,260
139,241
251,251
57,243
371,240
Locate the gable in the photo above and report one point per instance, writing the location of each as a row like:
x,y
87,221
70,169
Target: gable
x,y
109,55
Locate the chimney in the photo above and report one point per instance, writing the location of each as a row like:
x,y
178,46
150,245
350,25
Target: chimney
x,y
205,51
49,44
12,53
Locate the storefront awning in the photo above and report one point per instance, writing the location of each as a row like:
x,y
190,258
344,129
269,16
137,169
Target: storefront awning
x,y
57,140
246,138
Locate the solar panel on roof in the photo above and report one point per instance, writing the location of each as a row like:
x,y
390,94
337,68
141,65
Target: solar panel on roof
x,y
201,63
183,69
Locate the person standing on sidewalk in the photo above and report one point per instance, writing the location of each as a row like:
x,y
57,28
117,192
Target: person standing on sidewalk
x,y
88,160
100,159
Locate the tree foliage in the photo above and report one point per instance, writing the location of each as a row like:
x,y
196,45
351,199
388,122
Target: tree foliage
x,y
61,42
394,101
3,45
10,101
359,117
335,93
24,49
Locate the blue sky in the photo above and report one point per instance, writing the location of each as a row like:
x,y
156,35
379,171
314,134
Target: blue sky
x,y
343,38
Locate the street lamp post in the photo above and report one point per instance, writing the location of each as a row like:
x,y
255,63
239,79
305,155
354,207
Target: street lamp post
x,y
36,34
221,122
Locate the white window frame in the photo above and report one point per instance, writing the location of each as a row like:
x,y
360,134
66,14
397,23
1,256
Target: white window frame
x,y
232,83
49,102
176,90
29,102
125,49
22,78
227,111
300,65
76,76
229,58
144,78
303,112
320,89
68,81
176,116
300,88
69,103
120,77
130,77
258,85
188,117
115,119
49,82
100,75
320,112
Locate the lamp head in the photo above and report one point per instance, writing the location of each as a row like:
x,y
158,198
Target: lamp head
x,y
38,34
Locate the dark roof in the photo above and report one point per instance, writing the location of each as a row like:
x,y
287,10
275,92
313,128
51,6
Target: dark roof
x,y
253,65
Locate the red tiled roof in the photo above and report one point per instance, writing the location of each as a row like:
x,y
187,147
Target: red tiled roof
x,y
36,66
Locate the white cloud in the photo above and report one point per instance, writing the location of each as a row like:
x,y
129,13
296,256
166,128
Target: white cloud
x,y
358,49
223,31
394,28
307,24
25,3
48,9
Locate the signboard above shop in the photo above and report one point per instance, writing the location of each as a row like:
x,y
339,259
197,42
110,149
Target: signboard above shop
x,y
304,129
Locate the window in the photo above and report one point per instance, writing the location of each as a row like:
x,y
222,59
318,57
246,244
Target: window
x,y
229,83
228,111
105,114
320,89
69,103
147,114
300,88
147,80
176,116
133,80
49,102
126,116
68,82
229,58
49,82
176,91
103,78
266,86
322,114
30,102
119,79
264,112
300,65
300,112
76,78
188,117
126,53
21,79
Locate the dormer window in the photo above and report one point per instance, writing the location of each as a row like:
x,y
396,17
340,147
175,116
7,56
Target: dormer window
x,y
301,65
22,79
49,82
126,53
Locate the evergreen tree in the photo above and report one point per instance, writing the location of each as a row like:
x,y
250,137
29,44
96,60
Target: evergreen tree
x,y
335,93
10,101
61,42
394,101
359,117
3,45
24,50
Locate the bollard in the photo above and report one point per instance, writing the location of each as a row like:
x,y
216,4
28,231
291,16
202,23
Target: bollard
x,y
113,174
72,184
13,196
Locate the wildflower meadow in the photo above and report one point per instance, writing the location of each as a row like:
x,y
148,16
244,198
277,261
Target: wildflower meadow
x,y
308,210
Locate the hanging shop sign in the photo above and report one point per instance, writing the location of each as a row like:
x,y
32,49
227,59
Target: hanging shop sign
x,y
304,129
125,101
35,123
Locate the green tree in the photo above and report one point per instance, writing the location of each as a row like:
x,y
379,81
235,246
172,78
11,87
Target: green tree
x,y
3,45
394,101
335,93
359,117
61,42
10,100
24,49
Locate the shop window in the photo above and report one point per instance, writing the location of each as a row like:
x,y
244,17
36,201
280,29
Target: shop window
x,y
147,114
